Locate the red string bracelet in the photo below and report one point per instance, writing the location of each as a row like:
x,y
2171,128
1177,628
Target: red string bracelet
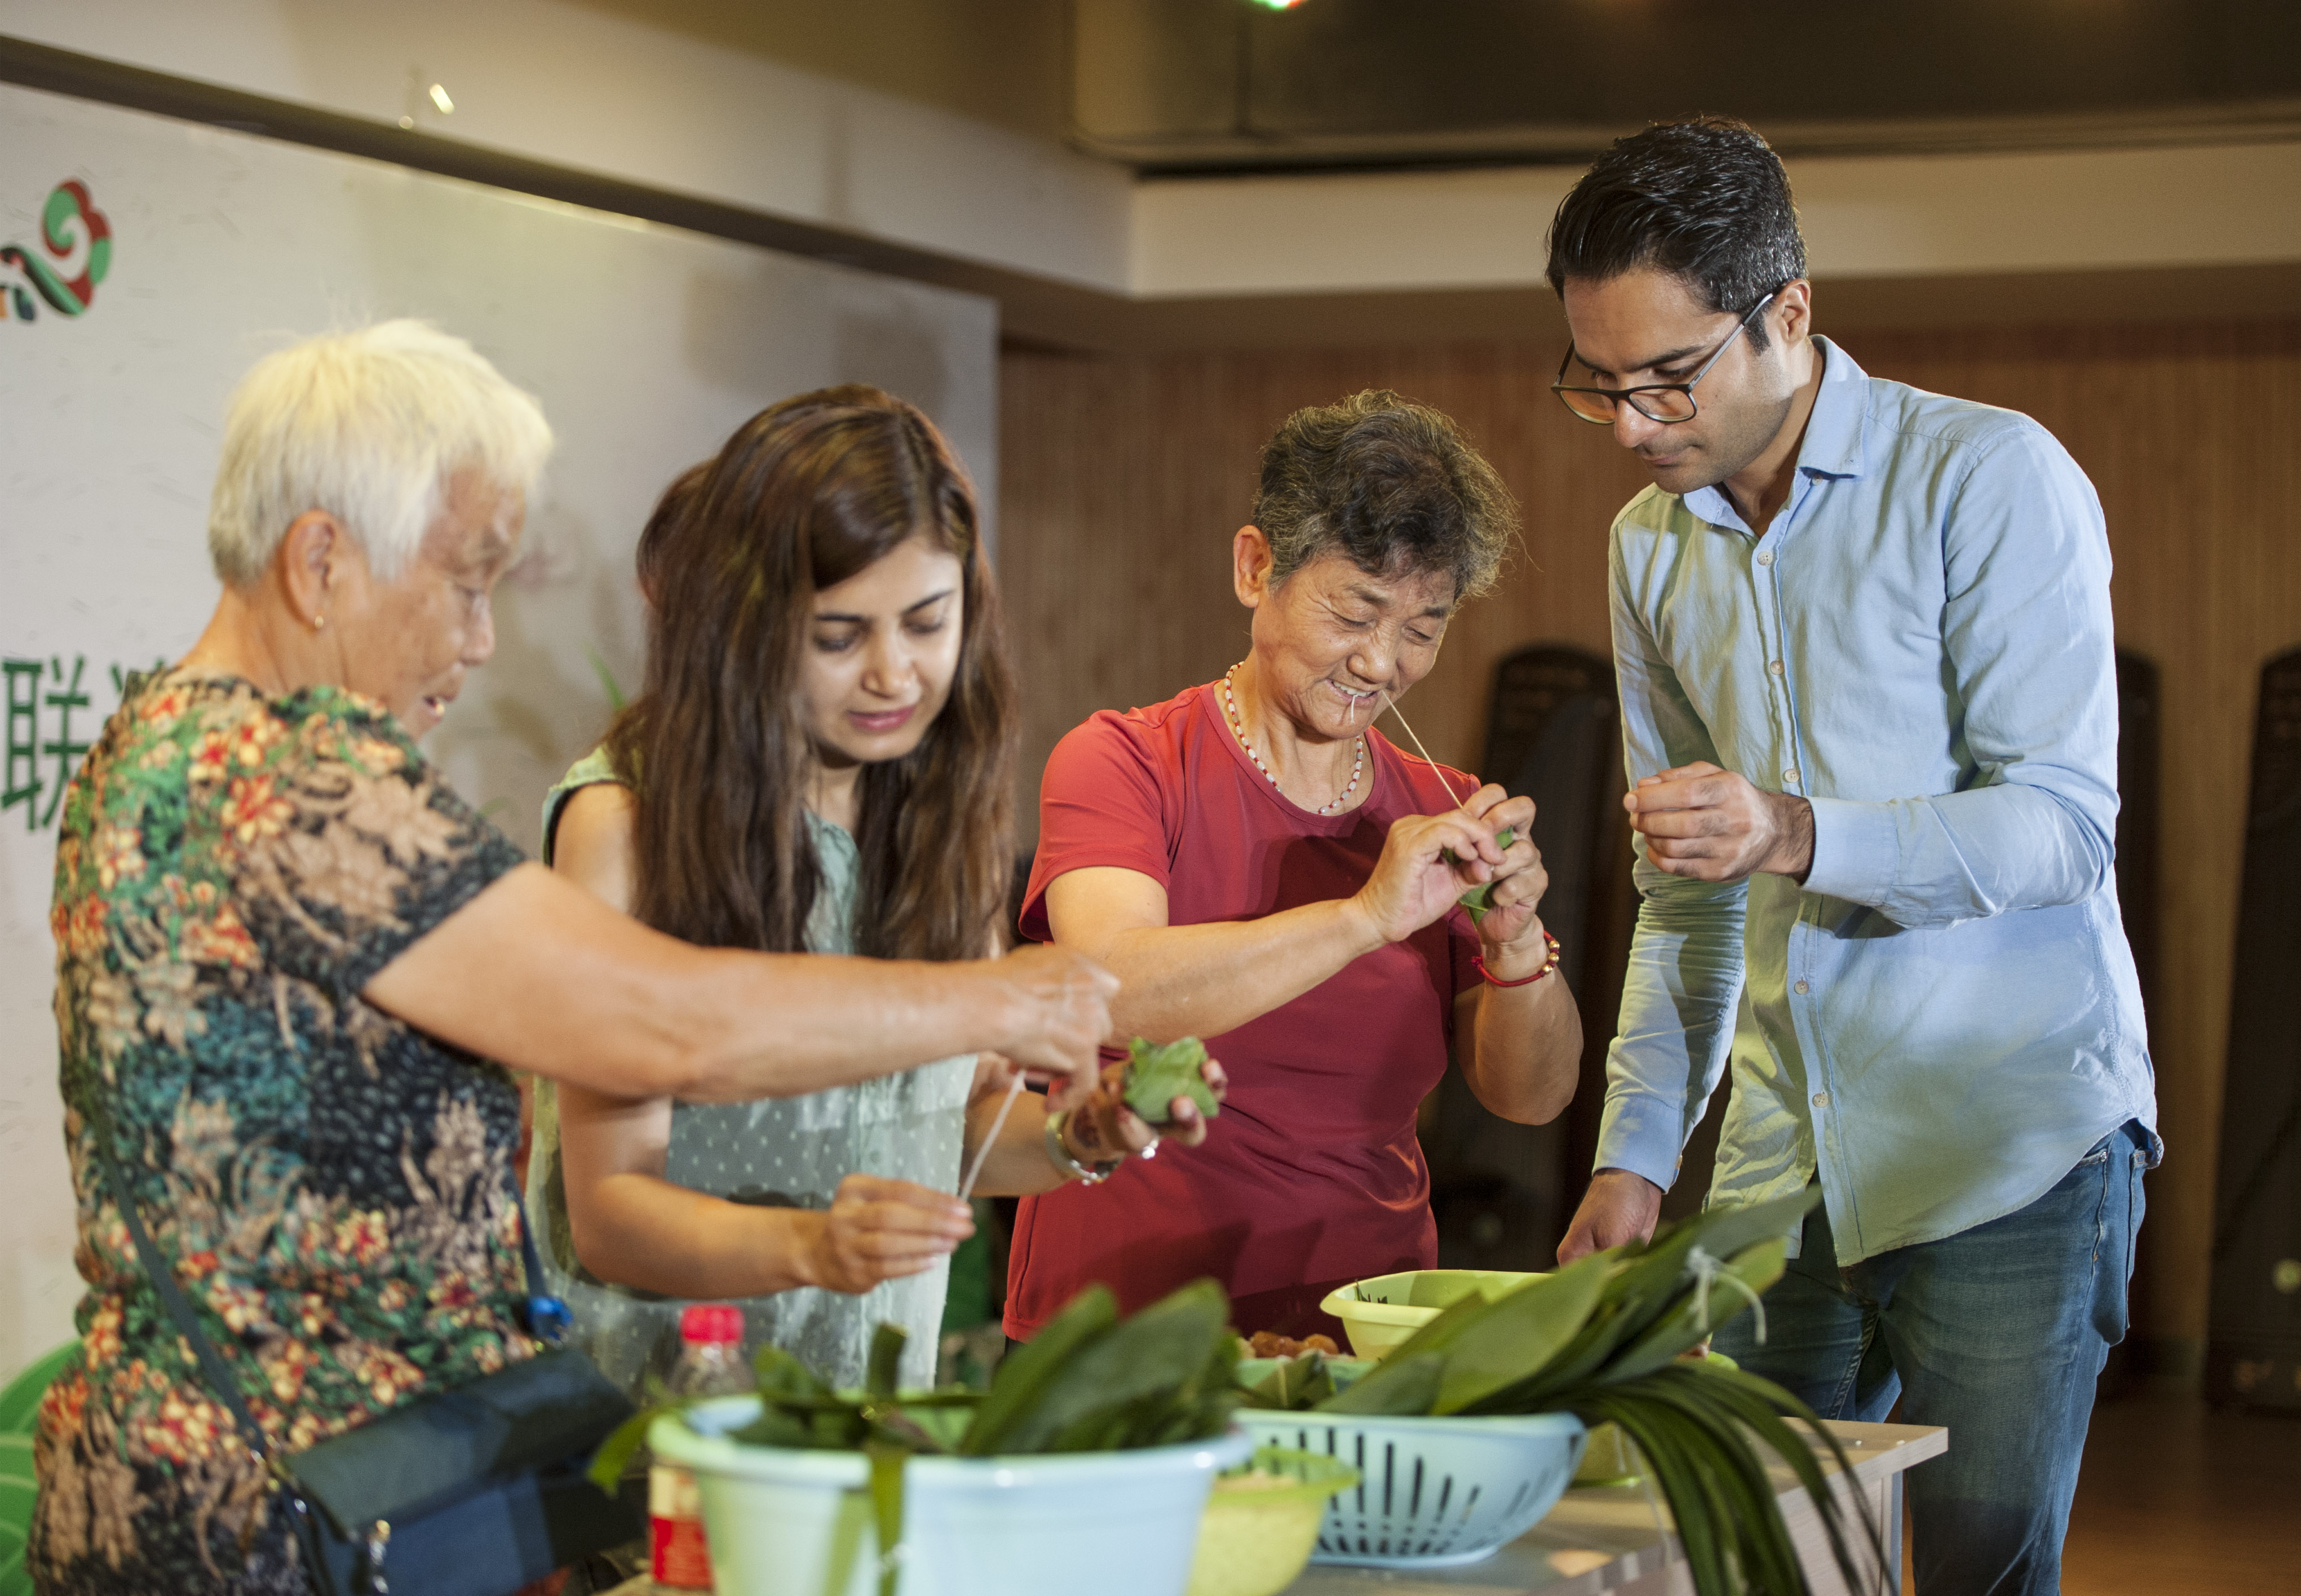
x,y
1478,963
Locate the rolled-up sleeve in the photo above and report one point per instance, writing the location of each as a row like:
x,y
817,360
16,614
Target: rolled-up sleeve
x,y
2027,629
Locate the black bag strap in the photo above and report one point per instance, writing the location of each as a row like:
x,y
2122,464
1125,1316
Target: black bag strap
x,y
540,1314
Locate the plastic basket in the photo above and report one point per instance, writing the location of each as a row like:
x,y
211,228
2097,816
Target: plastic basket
x,y
789,1523
1431,1492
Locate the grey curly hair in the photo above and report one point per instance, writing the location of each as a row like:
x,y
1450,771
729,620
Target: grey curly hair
x,y
1391,484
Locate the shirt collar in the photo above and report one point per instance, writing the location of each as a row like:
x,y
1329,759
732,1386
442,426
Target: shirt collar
x,y
1832,444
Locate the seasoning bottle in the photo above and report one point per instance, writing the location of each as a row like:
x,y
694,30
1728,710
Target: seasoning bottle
x,y
711,1365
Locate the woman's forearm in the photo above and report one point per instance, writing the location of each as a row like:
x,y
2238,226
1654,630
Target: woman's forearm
x,y
1203,980
1018,1165
641,1230
540,974
1525,1053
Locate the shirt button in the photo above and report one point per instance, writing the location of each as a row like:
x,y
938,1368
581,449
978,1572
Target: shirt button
x,y
1821,1099
1790,776
1801,989
1774,666
1765,556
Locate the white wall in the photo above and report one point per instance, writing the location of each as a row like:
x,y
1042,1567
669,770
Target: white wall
x,y
572,85
647,345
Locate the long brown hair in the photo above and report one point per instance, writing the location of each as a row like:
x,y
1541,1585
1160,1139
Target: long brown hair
x,y
804,495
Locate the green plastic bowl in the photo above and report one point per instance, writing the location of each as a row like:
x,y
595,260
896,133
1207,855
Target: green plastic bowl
x,y
1262,1520
1383,1311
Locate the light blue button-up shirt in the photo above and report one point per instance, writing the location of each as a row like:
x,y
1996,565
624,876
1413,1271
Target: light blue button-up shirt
x,y
1945,1017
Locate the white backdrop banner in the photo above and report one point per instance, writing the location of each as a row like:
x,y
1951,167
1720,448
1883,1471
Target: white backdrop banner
x,y
144,265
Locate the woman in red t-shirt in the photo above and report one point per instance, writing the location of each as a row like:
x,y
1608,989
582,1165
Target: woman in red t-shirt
x,y
1262,869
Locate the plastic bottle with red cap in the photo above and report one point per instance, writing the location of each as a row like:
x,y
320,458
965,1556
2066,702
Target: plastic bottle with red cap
x,y
711,1365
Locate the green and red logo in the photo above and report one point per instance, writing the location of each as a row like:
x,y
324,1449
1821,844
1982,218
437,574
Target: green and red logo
x,y
76,235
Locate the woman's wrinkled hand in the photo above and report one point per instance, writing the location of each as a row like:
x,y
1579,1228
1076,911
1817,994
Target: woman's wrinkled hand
x,y
1105,1127
1059,1004
1511,928
878,1230
1428,861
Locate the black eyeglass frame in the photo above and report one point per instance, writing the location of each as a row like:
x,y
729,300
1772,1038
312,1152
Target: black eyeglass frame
x,y
1629,396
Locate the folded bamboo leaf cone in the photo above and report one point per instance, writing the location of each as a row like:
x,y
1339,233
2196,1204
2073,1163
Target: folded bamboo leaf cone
x,y
1262,1521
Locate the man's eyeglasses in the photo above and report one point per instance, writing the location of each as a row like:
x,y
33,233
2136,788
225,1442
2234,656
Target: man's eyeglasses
x,y
1663,402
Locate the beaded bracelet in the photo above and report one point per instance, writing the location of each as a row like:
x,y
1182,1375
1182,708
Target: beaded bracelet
x,y
1478,963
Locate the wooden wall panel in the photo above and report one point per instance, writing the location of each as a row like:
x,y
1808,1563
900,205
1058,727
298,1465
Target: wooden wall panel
x,y
1122,478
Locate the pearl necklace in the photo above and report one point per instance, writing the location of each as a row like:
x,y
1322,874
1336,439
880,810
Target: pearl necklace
x,y
1238,728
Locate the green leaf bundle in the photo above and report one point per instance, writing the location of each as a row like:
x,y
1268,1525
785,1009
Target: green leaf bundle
x,y
1089,1382
1480,899
1605,1338
1157,1075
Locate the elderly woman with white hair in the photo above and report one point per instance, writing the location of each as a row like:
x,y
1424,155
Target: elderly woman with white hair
x,y
285,947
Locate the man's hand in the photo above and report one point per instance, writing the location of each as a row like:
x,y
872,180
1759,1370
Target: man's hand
x,y
1710,824
1620,1207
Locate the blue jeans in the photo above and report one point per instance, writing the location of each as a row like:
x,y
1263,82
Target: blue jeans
x,y
1997,1333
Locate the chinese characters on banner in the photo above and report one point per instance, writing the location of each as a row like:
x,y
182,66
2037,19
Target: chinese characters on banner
x,y
51,720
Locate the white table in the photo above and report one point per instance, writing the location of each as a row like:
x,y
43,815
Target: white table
x,y
1605,1538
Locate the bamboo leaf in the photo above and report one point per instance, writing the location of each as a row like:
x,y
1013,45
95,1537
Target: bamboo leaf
x,y
1488,1344
1159,1349
1651,1281
1766,1409
623,1444
1510,1338
887,1461
1684,1326
1295,1384
1408,1386
1023,1372
777,1373
886,1360
1157,1075
1479,899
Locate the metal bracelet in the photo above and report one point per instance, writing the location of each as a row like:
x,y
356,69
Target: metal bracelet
x,y
1070,1168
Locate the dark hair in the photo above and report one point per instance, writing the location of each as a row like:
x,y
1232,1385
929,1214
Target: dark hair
x,y
653,537
1705,200
1391,485
716,749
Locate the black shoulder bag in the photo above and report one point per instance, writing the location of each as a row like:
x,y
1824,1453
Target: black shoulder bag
x,y
472,1491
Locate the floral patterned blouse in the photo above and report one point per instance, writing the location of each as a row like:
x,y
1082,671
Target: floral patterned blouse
x,y
330,1184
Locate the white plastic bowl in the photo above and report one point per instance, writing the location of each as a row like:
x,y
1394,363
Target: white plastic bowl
x,y
1432,1492
789,1523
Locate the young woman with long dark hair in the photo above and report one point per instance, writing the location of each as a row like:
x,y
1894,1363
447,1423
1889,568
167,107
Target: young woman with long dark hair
x,y
821,760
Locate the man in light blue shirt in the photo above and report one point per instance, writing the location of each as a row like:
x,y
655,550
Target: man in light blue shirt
x,y
1868,699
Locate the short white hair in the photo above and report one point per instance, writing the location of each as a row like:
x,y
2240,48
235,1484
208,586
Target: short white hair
x,y
368,426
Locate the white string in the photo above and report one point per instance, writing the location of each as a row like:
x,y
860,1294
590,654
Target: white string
x,y
1439,769
1014,1091
1707,1268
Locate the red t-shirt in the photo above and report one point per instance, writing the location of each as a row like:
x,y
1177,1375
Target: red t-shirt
x,y
1311,1175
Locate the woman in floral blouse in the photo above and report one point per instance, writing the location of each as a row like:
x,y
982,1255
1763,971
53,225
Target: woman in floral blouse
x,y
287,950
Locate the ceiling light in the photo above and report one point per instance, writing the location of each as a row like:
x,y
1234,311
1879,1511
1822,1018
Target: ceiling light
x,y
440,98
